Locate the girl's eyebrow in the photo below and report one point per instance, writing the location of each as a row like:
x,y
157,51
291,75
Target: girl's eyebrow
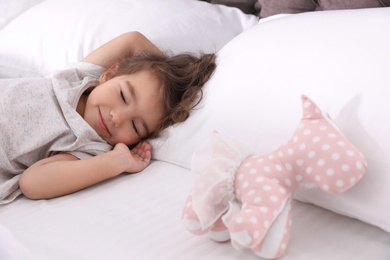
x,y
134,96
131,89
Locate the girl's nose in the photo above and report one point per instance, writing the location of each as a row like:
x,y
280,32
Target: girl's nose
x,y
118,117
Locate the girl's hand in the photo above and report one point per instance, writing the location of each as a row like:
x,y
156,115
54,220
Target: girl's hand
x,y
137,158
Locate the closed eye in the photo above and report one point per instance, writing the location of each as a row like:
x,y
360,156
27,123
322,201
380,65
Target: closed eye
x,y
134,127
123,96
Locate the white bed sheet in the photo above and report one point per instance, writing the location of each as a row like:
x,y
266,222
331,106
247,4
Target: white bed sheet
x,y
138,217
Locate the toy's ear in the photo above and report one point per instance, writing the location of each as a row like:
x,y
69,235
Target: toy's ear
x,y
108,73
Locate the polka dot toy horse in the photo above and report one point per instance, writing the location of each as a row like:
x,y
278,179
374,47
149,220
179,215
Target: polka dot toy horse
x,y
246,197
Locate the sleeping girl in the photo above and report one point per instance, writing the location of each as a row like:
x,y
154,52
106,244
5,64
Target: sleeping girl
x,y
91,122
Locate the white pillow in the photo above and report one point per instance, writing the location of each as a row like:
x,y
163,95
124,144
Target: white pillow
x,y
9,9
55,33
340,59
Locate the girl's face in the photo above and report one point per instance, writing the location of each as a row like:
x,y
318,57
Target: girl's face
x,y
126,108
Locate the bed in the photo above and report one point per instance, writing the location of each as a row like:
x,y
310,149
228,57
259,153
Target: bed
x,y
268,55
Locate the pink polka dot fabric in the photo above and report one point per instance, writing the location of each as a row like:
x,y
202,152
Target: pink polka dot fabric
x,y
246,198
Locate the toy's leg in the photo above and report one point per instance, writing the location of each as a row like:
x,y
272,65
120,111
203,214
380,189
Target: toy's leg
x,y
218,232
190,219
264,202
275,242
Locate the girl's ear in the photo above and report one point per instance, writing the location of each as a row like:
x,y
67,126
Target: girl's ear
x,y
107,74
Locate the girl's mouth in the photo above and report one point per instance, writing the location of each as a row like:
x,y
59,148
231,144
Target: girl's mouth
x,y
102,123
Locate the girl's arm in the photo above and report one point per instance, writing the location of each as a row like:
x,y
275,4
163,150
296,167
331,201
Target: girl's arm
x,y
122,46
63,173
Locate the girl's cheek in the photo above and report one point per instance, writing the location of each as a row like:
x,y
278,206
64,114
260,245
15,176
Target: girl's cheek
x,y
127,138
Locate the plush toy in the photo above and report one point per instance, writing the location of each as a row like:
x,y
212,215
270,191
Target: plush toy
x,y
245,197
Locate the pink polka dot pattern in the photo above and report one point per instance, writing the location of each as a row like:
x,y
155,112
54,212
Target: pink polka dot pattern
x,y
317,153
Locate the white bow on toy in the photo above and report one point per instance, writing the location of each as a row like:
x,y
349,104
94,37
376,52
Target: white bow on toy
x,y
246,198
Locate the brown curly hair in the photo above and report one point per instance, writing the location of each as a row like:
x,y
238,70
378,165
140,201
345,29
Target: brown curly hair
x,y
182,77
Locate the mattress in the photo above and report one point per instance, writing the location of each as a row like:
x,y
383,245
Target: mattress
x,y
138,217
